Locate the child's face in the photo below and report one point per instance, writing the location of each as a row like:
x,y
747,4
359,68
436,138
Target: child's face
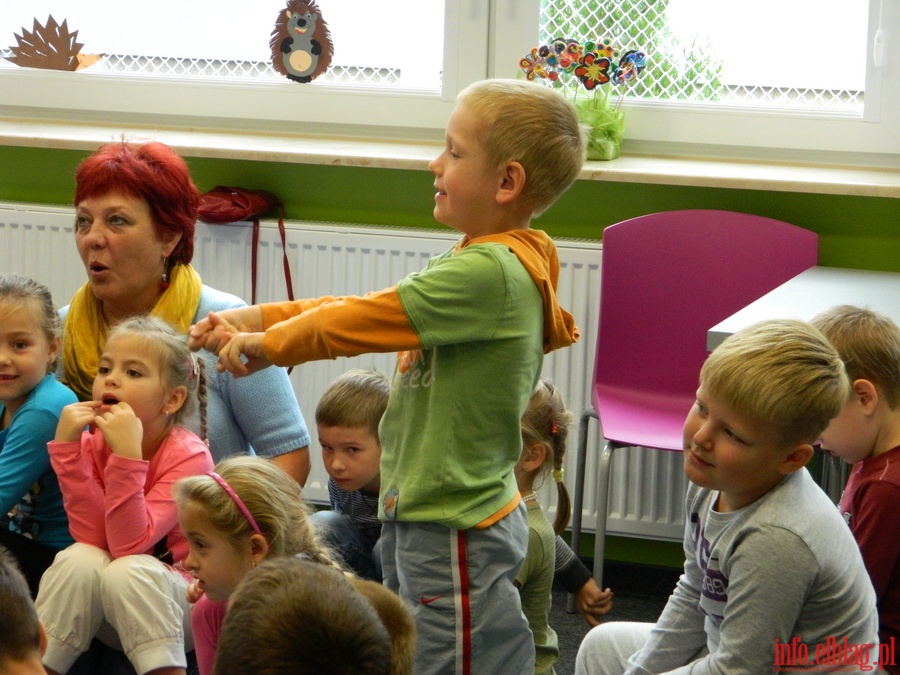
x,y
725,451
465,181
25,353
216,561
127,372
850,435
351,456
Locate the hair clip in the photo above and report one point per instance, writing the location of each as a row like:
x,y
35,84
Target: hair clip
x,y
191,362
554,429
559,474
237,500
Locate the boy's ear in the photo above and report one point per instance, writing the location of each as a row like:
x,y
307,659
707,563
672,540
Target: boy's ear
x,y
512,182
176,399
866,393
796,458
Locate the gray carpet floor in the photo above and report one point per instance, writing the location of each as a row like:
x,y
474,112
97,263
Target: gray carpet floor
x,y
640,595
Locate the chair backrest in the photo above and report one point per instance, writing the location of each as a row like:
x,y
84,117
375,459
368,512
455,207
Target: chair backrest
x,y
666,278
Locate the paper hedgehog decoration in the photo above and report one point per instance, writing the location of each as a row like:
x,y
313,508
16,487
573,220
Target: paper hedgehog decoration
x,y
301,43
50,46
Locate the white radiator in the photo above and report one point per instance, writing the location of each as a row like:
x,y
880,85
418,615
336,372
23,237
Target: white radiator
x,y
337,259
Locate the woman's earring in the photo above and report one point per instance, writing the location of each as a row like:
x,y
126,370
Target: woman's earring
x,y
164,282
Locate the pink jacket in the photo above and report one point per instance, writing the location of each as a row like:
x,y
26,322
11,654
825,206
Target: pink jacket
x,y
123,505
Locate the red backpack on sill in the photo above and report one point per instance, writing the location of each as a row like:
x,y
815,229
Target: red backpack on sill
x,y
225,204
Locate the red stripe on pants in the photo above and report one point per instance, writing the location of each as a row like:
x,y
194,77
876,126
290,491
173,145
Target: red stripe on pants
x,y
466,628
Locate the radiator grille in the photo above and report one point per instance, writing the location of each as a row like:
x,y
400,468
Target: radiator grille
x,y
336,259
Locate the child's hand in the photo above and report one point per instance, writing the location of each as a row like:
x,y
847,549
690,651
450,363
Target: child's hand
x,y
213,332
73,419
249,345
122,430
194,592
592,602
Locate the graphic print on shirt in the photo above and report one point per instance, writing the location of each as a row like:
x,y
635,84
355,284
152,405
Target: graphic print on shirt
x,y
714,593
414,371
21,519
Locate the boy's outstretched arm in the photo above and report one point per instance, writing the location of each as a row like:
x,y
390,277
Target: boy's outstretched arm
x,y
337,326
214,330
242,354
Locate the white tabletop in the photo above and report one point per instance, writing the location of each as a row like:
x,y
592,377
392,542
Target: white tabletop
x,y
814,291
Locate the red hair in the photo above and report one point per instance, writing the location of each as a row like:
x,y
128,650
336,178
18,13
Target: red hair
x,y
150,171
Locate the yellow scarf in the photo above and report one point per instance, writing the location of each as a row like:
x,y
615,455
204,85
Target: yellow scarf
x,y
85,331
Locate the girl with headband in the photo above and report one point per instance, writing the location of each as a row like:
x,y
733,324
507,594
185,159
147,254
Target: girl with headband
x,y
117,457
243,512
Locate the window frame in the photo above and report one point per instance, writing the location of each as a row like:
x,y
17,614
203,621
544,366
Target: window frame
x,y
278,105
483,38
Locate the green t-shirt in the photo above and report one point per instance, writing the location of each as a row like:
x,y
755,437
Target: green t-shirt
x,y
450,435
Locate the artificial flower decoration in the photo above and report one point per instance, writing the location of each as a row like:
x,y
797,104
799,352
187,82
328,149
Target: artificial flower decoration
x,y
533,65
596,66
591,63
593,70
630,66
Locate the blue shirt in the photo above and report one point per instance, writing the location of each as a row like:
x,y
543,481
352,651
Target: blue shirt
x,y
30,498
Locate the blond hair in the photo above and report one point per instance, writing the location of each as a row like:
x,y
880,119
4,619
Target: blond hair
x,y
534,125
356,399
23,292
270,495
869,344
178,365
546,420
783,373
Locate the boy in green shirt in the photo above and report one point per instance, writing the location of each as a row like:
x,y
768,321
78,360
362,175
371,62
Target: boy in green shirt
x,y
471,329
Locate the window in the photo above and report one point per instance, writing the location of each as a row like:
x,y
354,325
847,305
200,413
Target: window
x,y
803,54
766,74
214,62
832,88
229,39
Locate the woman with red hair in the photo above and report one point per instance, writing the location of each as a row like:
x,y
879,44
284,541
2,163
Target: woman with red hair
x,y
136,209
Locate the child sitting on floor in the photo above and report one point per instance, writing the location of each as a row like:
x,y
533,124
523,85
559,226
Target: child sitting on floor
x,y
292,616
234,517
22,637
117,457
544,430
867,435
772,579
33,522
347,420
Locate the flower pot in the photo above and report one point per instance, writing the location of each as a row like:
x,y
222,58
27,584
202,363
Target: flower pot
x,y
606,126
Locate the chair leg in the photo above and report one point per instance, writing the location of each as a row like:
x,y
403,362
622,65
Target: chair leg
x,y
603,479
578,502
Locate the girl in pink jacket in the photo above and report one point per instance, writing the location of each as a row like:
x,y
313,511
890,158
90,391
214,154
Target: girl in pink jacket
x,y
117,458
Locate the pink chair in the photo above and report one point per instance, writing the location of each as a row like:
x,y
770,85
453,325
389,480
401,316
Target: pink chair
x,y
666,278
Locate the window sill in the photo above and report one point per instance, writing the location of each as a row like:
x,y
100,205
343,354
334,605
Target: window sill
x,y
672,169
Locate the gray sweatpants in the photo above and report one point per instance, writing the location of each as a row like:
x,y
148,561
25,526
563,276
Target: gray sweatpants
x,y
459,585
